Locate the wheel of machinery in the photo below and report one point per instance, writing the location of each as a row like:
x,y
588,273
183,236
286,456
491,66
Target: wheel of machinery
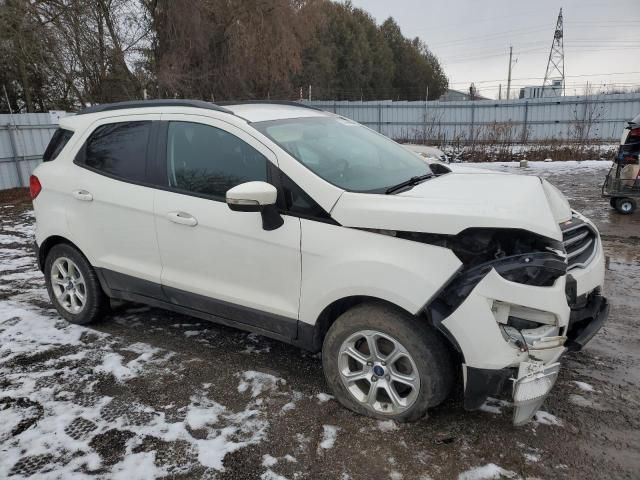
x,y
625,206
612,202
73,285
384,363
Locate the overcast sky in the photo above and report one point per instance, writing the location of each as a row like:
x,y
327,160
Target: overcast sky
x,y
472,37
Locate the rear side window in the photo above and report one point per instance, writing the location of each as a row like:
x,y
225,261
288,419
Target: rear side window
x,y
118,149
56,144
208,161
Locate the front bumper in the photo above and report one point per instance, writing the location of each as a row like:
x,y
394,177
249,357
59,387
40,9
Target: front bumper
x,y
482,383
497,356
586,321
530,382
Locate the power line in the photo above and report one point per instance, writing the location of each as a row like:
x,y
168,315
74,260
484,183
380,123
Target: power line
x,y
541,78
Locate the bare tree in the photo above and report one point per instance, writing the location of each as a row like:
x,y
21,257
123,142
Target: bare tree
x,y
586,115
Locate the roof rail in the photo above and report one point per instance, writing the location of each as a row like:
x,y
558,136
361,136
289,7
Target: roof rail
x,y
105,107
268,102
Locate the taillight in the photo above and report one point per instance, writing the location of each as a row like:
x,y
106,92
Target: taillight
x,y
34,186
634,132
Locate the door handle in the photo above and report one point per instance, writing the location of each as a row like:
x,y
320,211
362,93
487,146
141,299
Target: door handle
x,y
182,218
82,195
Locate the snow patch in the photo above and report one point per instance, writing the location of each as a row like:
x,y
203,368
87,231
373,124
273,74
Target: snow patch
x,y
329,435
112,362
138,466
531,458
387,425
202,412
8,239
490,471
271,475
268,460
585,387
546,418
258,382
324,397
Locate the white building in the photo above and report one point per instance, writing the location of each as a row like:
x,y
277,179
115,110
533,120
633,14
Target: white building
x,y
553,90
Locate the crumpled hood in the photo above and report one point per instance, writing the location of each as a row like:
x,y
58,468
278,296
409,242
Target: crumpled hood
x,y
454,202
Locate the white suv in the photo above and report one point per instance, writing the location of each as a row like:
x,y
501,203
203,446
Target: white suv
x,y
309,228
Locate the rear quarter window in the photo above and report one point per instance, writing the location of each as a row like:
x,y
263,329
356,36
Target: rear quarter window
x,y
59,140
118,150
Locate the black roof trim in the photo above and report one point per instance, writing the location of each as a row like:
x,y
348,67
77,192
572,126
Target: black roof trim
x,y
268,102
105,107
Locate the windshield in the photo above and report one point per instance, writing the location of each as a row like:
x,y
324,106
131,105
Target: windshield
x,y
345,153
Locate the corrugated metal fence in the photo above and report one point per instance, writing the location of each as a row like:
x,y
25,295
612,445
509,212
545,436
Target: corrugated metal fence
x,y
24,137
23,140
580,119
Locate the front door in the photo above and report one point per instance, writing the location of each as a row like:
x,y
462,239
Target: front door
x,y
214,259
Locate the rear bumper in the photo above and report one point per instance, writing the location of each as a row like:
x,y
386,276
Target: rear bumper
x,y
585,322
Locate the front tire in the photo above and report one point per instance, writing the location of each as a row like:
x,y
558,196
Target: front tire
x,y
73,286
383,363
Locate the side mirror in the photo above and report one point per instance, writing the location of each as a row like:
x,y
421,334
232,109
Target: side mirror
x,y
256,197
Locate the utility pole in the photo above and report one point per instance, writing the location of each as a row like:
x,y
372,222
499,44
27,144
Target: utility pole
x,y
509,77
500,92
309,92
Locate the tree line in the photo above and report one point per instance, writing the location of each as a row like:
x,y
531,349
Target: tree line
x,y
64,54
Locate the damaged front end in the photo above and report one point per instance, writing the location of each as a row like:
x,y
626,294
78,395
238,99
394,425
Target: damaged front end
x,y
506,311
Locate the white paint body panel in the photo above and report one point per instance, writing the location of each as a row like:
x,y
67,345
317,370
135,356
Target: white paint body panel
x,y
259,193
340,262
451,203
227,255
476,330
115,230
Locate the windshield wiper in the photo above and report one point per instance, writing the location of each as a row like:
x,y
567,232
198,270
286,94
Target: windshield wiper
x,y
409,183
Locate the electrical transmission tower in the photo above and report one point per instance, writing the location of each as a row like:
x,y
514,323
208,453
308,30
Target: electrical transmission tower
x,y
554,76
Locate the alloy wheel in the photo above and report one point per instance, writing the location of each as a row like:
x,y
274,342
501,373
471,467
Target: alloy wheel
x,y
379,372
68,285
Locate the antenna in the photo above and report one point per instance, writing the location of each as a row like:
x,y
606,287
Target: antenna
x,y
554,76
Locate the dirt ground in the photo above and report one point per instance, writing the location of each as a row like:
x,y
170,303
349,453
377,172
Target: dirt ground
x,y
148,393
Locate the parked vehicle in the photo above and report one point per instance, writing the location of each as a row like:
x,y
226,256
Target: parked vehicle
x,y
307,227
622,184
426,151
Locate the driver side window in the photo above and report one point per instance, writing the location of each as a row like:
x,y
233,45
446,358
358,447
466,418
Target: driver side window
x,y
206,160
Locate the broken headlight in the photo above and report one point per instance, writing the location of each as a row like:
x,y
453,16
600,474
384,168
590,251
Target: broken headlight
x,y
537,269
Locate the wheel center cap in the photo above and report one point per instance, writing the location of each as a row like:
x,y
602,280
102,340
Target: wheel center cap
x,y
378,371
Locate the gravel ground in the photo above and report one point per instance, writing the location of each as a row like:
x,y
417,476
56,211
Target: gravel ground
x,y
148,393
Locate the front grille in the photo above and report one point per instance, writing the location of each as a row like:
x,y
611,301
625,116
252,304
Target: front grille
x,y
579,242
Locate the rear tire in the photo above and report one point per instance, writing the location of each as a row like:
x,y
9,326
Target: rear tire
x,y
612,202
625,206
73,286
410,370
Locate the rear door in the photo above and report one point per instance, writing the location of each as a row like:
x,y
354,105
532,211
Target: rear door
x,y
110,211
214,259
